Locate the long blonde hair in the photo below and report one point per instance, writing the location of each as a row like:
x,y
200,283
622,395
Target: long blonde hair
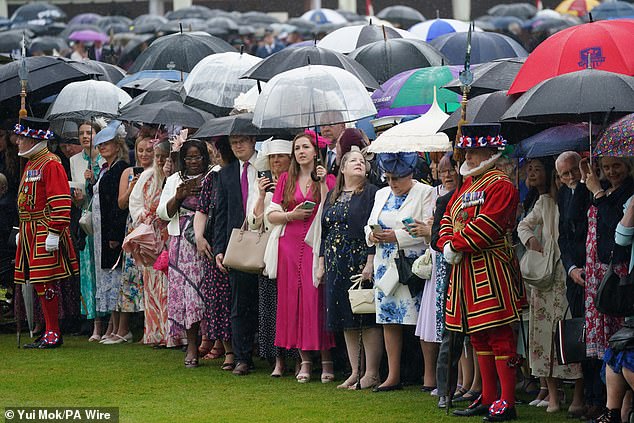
x,y
293,175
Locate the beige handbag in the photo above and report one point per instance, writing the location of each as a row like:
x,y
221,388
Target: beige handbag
x,y
361,299
245,251
85,220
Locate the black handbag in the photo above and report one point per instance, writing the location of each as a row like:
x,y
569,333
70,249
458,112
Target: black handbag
x,y
615,296
623,339
570,340
405,274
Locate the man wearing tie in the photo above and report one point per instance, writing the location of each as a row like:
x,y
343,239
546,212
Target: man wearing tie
x,y
237,194
332,132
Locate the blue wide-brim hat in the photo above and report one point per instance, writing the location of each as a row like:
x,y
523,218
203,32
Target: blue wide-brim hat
x,y
106,134
481,135
398,164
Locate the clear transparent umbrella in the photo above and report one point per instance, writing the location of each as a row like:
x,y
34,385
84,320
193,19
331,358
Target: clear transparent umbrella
x,y
88,99
310,96
214,83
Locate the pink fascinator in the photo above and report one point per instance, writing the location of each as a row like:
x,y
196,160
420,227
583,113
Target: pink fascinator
x,y
322,142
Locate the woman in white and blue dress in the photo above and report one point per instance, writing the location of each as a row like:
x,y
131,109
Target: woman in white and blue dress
x,y
395,305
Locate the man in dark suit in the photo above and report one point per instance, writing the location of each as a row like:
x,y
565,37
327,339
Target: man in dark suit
x,y
329,154
270,45
237,194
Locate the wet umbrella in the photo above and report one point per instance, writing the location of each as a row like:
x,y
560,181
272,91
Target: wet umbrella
x,y
384,59
348,38
497,23
133,48
110,73
405,16
577,7
485,47
147,23
246,102
350,16
618,139
310,96
553,25
85,18
78,27
613,9
27,296
200,12
253,18
554,141
607,44
38,13
47,44
87,35
221,22
520,10
413,92
47,75
168,75
181,51
324,16
434,28
172,93
302,25
12,40
497,75
140,86
240,124
215,82
172,112
88,99
295,57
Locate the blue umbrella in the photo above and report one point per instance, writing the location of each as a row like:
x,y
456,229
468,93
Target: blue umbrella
x,y
485,47
434,28
168,75
554,141
612,9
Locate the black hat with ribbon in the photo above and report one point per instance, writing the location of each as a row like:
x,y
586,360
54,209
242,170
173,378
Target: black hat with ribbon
x,y
481,135
35,128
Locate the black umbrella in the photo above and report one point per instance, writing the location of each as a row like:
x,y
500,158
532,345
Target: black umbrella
x,y
612,9
521,10
222,22
250,18
179,51
189,24
349,38
350,16
386,58
12,40
47,76
133,48
108,21
38,12
110,73
577,96
405,16
156,96
139,86
303,26
200,12
47,44
166,113
485,47
296,57
240,124
497,75
147,23
489,108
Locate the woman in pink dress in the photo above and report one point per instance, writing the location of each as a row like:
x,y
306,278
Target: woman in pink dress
x,y
301,311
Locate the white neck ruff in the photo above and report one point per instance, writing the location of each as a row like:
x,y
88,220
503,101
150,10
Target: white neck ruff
x,y
481,168
34,150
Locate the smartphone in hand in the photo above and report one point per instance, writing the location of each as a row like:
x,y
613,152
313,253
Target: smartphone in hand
x,y
407,222
376,228
308,205
137,170
266,174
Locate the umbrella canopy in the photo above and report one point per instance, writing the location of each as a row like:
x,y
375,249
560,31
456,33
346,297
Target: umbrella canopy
x,y
418,135
155,96
575,96
38,13
348,38
404,16
497,75
110,73
618,139
181,51
46,44
200,12
554,141
498,23
553,25
88,35
168,75
246,102
215,82
78,27
139,86
295,57
258,19
85,18
310,96
107,22
520,10
12,40
173,113
613,9
223,23
434,28
240,124
324,16
87,99
607,44
384,59
413,92
577,7
147,23
485,47
47,76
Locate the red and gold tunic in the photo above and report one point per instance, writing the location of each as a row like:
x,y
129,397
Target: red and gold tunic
x,y
484,287
44,206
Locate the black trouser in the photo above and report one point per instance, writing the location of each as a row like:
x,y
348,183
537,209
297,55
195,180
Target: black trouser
x,y
446,372
244,314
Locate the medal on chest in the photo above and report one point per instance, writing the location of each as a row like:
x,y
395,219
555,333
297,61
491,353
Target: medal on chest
x,y
33,175
461,221
471,199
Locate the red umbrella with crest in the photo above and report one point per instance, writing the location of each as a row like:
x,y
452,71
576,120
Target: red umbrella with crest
x,y
604,45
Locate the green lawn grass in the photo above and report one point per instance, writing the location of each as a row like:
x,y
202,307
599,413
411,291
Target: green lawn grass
x,y
153,386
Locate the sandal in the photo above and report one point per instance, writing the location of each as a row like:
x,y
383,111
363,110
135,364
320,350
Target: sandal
x,y
229,366
327,377
214,353
303,377
191,363
205,347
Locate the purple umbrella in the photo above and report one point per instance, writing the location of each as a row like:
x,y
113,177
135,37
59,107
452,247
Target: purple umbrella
x,y
85,18
88,35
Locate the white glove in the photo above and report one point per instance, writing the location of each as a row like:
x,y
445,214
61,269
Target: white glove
x,y
52,242
17,239
451,256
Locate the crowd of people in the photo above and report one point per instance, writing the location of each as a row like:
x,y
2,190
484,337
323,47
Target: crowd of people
x,y
333,213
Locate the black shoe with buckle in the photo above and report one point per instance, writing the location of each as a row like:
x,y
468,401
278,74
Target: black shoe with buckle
x,y
500,411
475,409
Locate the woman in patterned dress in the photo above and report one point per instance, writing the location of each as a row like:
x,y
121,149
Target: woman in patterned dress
x,y
143,203
177,205
344,253
538,231
84,167
403,198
